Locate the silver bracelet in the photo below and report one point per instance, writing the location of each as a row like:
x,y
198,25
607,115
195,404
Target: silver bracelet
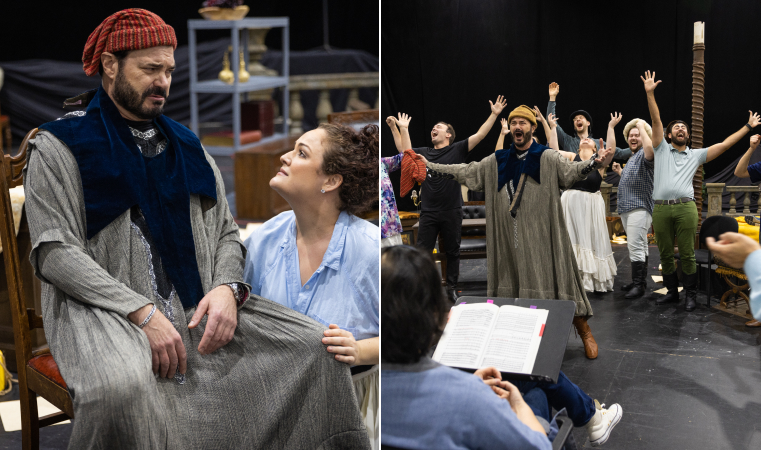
x,y
147,319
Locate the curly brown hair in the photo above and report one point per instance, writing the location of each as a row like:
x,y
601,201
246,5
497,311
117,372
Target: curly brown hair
x,y
354,156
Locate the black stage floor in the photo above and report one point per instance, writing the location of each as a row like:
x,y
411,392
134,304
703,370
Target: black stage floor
x,y
684,380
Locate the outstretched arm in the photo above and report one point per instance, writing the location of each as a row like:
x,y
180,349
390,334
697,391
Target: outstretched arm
x,y
404,124
470,175
717,149
741,170
502,133
391,122
496,109
655,114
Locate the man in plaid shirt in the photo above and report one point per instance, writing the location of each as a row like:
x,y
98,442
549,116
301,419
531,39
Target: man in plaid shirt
x,y
635,203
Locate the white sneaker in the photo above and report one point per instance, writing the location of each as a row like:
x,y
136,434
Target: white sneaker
x,y
602,423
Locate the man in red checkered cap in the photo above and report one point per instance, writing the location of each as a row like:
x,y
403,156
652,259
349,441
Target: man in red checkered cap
x,y
144,304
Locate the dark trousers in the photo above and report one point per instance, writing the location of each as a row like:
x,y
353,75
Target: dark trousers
x,y
563,394
449,224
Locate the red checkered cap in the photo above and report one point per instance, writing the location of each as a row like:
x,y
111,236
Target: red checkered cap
x,y
129,29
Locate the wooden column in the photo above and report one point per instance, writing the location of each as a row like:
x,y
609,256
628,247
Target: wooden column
x,y
698,107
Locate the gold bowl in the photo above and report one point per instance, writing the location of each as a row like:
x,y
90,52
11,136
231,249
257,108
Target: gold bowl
x,y
217,13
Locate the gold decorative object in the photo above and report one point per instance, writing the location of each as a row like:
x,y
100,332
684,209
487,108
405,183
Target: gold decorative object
x,y
217,13
226,75
243,75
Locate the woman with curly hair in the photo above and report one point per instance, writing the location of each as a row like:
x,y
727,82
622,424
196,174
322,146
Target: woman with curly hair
x,y
320,258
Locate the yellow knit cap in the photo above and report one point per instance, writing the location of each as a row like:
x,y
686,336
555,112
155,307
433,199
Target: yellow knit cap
x,y
524,112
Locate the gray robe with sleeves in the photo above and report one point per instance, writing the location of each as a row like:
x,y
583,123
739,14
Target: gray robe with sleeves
x,y
541,263
273,386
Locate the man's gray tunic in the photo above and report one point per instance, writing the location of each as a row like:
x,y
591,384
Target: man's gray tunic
x,y
273,386
540,263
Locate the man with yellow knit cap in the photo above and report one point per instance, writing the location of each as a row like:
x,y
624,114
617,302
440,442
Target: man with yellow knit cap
x,y
529,253
144,304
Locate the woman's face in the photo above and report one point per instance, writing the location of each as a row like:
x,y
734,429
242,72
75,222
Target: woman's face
x,y
301,171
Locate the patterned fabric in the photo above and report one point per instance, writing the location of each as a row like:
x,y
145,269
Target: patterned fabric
x,y
635,190
413,170
546,271
275,363
390,224
129,29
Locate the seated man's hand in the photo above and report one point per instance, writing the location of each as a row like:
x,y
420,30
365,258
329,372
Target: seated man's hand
x,y
219,304
733,248
493,378
167,349
343,344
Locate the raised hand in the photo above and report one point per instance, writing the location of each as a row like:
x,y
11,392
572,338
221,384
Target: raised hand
x,y
754,140
391,121
552,121
754,119
617,168
554,90
539,115
615,118
404,120
649,81
496,108
604,154
420,157
505,127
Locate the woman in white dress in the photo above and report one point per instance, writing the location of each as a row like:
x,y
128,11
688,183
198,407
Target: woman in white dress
x,y
584,211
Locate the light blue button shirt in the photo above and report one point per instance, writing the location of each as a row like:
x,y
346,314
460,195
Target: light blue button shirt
x,y
753,272
674,171
344,289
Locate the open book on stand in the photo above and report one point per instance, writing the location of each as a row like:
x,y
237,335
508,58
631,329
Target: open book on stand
x,y
483,334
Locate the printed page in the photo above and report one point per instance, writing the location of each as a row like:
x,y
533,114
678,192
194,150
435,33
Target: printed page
x,y
515,339
466,335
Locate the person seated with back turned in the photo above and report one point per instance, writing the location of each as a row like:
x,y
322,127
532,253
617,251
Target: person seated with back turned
x,y
141,264
320,259
417,413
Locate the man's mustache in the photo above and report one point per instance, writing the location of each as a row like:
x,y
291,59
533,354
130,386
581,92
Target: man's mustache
x,y
155,90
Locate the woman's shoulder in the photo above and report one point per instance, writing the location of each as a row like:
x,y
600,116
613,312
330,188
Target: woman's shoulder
x,y
273,229
362,230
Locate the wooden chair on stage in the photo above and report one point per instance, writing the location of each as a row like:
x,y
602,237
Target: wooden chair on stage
x,y
38,373
5,132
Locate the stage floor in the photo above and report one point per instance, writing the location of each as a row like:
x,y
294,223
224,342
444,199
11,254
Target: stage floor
x,y
684,380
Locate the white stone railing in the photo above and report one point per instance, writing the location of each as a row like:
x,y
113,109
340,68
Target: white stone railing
x,y
325,83
715,192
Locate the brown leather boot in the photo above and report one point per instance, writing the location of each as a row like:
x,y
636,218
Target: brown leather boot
x,y
582,327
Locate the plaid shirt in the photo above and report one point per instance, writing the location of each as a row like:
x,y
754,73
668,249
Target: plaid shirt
x,y
635,190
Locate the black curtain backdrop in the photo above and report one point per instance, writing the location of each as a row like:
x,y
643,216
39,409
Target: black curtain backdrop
x,y
58,30
445,59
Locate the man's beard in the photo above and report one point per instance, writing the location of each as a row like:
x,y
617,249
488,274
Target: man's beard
x,y
679,140
130,100
528,136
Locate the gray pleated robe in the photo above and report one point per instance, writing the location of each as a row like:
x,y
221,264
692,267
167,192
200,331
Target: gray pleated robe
x,y
543,264
273,386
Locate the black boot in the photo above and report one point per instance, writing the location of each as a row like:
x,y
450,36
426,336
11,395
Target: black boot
x,y
639,274
691,289
670,281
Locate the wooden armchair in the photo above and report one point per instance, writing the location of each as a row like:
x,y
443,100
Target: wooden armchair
x,y
38,373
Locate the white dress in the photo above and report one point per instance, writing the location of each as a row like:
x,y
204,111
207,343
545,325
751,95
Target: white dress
x,y
585,219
